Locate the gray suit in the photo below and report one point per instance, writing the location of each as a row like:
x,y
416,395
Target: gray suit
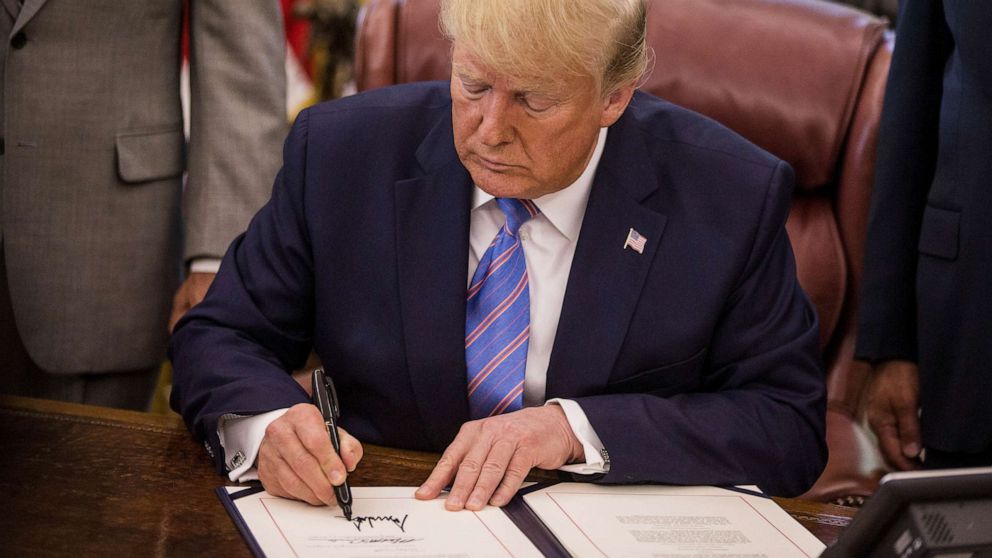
x,y
94,155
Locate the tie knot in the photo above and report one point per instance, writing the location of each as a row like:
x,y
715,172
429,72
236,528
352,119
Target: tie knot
x,y
517,212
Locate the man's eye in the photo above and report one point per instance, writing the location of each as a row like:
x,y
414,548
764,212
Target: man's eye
x,y
474,89
537,103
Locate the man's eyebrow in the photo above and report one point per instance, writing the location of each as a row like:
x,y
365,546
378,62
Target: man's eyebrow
x,y
466,74
556,96
463,73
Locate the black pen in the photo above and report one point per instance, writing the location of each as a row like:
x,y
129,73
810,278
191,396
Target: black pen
x,y
326,399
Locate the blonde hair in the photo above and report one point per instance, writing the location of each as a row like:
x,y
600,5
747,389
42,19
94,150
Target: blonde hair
x,y
541,40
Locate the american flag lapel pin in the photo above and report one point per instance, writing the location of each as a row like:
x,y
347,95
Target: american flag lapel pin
x,y
635,241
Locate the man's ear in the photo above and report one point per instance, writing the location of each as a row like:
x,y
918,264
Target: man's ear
x,y
615,103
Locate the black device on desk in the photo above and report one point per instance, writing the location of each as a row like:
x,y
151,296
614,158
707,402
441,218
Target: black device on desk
x,y
326,399
940,513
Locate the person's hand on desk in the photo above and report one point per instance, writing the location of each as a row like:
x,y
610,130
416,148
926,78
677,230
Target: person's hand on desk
x,y
893,405
490,458
296,459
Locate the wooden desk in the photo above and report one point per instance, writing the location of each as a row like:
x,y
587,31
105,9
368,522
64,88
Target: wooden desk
x,y
77,480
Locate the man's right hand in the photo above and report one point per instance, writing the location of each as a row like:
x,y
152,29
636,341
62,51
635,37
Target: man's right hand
x,y
296,459
893,405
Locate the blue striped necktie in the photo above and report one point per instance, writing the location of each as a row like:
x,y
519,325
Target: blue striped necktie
x,y
497,319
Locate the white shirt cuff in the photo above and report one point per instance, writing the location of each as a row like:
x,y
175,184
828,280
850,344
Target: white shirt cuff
x,y
204,265
597,459
240,437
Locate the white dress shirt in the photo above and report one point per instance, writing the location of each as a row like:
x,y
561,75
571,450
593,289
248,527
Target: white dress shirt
x,y
204,265
549,242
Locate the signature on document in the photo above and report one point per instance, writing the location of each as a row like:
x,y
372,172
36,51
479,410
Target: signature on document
x,y
371,521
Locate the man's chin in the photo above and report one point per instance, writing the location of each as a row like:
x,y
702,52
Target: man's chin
x,y
508,191
501,185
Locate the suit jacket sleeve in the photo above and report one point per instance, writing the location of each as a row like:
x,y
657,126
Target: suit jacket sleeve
x,y
232,351
237,118
907,159
758,416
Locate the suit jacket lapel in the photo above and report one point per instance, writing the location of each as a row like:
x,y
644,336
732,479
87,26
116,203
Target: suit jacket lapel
x,y
606,279
432,218
28,10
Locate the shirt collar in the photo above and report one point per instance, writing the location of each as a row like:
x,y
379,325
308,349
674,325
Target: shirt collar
x,y
565,208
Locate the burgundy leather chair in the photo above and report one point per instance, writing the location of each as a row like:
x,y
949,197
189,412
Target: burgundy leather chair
x,y
802,78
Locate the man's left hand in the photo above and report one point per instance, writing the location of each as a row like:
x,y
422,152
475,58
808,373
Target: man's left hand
x,y
490,458
190,293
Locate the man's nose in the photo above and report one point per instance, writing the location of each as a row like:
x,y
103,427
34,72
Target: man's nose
x,y
496,126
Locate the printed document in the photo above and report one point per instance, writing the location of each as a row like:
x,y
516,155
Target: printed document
x,y
669,521
385,522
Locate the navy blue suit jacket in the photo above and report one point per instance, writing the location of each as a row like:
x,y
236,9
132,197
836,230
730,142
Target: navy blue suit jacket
x,y
696,362
928,255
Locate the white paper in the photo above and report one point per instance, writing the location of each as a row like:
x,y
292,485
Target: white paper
x,y
669,522
386,522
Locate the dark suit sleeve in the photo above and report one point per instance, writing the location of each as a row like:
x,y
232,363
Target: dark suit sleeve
x,y
231,352
907,158
759,415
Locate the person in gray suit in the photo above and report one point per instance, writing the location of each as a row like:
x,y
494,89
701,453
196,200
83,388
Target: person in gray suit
x,y
93,155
